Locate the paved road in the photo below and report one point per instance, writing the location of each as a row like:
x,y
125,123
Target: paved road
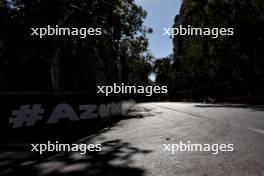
x,y
134,146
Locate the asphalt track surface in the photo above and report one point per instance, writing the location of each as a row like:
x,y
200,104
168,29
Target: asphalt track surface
x,y
134,146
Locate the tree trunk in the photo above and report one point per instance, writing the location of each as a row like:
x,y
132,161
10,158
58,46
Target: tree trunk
x,y
55,71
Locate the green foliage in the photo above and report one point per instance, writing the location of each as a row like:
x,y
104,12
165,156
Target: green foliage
x,y
228,65
71,63
162,69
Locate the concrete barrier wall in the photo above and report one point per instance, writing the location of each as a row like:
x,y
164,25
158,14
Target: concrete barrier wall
x,y
43,113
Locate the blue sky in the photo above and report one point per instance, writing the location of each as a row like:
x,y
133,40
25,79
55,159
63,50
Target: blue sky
x,y
161,13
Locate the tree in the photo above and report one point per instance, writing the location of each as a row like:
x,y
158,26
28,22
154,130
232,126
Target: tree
x,y
228,65
162,69
69,63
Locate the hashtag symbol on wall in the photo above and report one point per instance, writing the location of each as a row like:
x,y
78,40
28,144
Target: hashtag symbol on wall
x,y
27,115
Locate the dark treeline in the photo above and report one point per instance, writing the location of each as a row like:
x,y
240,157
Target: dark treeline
x,y
227,66
69,63
200,66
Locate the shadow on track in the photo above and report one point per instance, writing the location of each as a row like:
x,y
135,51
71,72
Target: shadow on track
x,y
115,158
